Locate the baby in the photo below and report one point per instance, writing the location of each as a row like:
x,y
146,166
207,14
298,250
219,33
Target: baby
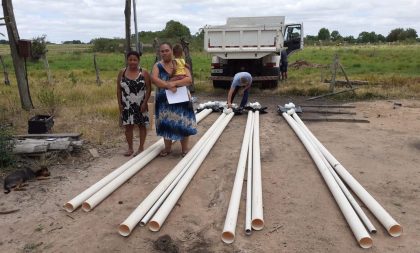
x,y
179,71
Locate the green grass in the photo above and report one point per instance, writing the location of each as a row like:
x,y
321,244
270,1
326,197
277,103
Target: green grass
x,y
359,60
391,70
79,104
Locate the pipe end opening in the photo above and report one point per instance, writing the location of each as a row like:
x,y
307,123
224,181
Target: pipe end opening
x,y
395,230
257,224
142,223
228,237
373,231
248,231
124,230
86,207
68,207
366,242
154,226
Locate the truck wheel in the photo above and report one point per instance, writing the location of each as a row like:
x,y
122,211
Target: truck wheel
x,y
221,84
269,84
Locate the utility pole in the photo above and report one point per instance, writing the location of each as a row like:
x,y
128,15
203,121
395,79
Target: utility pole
x,y
18,60
135,27
127,14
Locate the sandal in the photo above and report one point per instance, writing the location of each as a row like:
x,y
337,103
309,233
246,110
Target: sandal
x,y
137,152
128,153
164,153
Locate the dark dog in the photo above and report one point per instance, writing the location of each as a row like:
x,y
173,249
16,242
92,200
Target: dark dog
x,y
17,179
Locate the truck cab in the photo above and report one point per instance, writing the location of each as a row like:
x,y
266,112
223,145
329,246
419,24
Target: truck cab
x,y
251,44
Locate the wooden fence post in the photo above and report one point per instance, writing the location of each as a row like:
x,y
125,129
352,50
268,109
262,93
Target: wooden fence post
x,y
47,68
334,72
98,80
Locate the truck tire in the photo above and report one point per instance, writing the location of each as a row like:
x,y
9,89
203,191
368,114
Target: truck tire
x,y
269,84
221,84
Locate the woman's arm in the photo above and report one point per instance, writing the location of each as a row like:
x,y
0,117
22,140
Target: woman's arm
x,y
186,81
119,90
147,81
157,81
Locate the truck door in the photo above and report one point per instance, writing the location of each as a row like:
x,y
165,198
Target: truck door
x,y
293,37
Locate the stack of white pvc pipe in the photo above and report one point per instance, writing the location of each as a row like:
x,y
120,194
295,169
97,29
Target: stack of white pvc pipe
x,y
331,170
254,208
155,208
100,190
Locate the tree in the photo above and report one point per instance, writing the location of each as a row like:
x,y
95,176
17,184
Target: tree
x,y
197,40
381,38
175,29
394,35
39,47
411,33
367,37
350,39
335,36
399,34
72,42
324,34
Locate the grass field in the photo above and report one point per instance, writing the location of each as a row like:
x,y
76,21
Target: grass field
x,y
392,72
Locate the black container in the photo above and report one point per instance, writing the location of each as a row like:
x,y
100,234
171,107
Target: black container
x,y
40,124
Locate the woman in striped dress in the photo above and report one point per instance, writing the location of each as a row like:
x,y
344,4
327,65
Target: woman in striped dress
x,y
133,92
174,122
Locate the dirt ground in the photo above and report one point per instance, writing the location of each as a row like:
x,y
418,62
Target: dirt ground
x,y
300,213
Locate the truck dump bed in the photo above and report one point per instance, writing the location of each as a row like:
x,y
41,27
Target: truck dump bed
x,y
245,37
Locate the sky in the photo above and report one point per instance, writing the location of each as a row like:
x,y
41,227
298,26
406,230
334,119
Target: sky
x,y
64,20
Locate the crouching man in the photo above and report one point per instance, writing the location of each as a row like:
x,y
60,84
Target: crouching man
x,y
241,80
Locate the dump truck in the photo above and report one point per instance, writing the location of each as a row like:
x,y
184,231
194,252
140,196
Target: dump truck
x,y
251,44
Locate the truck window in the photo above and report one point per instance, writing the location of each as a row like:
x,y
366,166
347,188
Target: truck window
x,y
293,32
293,38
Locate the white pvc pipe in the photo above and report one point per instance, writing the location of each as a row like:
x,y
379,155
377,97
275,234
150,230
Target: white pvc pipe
x,y
160,216
201,115
111,186
343,187
190,159
228,234
248,210
127,226
73,204
392,226
103,193
257,222
359,231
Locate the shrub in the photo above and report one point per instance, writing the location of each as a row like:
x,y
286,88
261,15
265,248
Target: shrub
x,y
39,47
48,99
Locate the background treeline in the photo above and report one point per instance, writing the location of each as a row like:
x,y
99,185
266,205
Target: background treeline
x,y
172,33
175,30
406,36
